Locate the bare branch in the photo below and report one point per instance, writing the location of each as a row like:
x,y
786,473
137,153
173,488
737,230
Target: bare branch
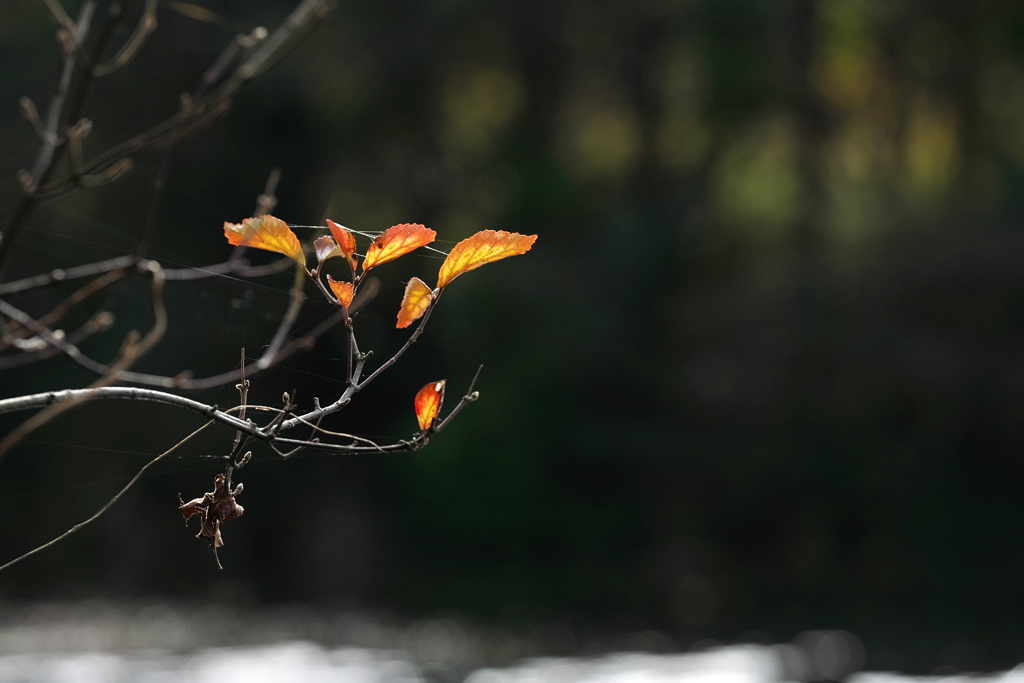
x,y
276,352
63,275
100,322
75,135
229,54
184,382
44,159
78,396
46,398
132,350
114,171
243,394
53,339
181,381
405,347
206,109
31,114
113,163
146,25
320,430
266,202
467,398
235,266
62,308
287,320
59,15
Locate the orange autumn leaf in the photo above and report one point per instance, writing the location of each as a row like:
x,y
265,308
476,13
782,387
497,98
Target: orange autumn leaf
x,y
428,403
345,239
325,247
415,302
397,241
265,232
342,290
485,246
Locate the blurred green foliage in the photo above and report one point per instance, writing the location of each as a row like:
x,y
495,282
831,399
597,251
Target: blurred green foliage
x,y
763,370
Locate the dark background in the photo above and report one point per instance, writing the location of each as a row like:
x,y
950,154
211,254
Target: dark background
x,y
762,372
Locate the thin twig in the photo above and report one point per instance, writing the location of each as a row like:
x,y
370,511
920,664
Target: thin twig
x,y
233,266
413,445
182,380
45,158
467,398
185,383
31,114
266,202
100,322
159,187
109,503
204,110
287,320
405,347
146,25
114,162
59,15
80,95
53,339
65,274
320,430
77,297
133,349
243,395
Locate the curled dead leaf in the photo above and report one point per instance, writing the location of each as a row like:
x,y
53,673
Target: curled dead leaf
x,y
213,508
325,248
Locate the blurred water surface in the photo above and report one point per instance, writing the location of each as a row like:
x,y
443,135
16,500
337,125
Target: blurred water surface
x,y
96,640
310,662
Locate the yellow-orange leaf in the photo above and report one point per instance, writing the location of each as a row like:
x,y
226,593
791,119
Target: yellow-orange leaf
x,y
396,241
325,247
345,239
265,232
485,246
342,290
414,303
428,403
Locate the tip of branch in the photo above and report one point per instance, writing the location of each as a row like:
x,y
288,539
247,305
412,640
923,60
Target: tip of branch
x,y
28,108
25,179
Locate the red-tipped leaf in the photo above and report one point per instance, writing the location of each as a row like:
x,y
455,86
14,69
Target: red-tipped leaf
x,y
428,403
345,239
